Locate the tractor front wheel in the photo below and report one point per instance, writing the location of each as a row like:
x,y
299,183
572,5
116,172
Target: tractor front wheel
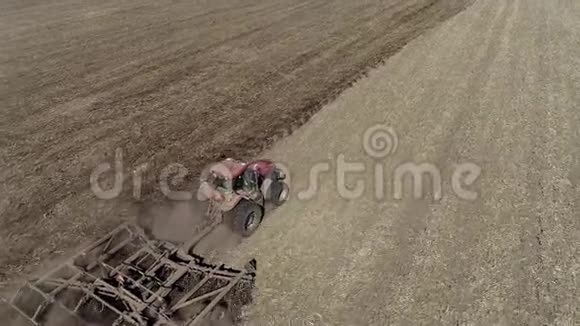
x,y
246,217
279,192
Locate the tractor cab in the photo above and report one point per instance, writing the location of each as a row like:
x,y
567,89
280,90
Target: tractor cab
x,y
239,191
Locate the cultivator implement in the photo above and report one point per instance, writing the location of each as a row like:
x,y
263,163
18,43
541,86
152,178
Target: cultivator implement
x,y
127,279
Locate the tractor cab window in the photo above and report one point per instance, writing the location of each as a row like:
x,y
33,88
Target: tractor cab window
x,y
239,183
247,181
219,182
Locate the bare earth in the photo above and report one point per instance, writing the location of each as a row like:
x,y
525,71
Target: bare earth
x,y
168,81
499,86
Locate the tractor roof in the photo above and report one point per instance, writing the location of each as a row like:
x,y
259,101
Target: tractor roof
x,y
229,168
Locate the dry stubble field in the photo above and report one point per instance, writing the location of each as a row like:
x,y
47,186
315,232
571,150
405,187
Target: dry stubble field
x,y
166,81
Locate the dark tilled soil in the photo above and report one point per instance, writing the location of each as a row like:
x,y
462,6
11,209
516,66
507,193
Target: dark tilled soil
x,y
166,81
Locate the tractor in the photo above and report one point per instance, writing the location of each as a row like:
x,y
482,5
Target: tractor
x,y
239,192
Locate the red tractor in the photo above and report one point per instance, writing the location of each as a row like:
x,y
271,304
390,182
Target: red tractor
x,y
241,190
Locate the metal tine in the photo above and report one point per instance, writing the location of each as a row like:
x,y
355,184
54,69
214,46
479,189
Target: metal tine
x,y
195,289
131,279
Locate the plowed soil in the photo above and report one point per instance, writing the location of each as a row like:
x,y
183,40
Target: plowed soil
x,y
166,82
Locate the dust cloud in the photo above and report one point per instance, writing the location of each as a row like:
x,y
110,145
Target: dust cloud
x,y
179,221
176,221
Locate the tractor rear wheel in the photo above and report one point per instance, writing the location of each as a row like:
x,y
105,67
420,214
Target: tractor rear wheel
x,y
246,217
